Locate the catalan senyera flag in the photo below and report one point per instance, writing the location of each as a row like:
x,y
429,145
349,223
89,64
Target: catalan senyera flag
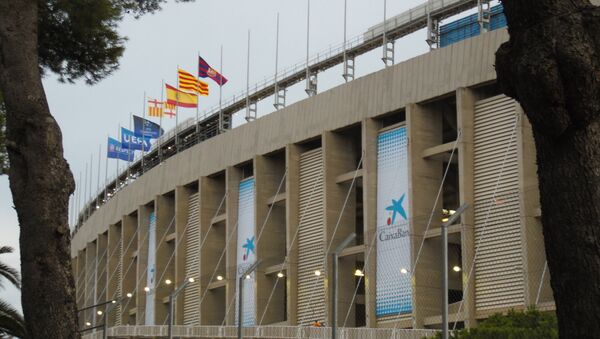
x,y
188,82
205,71
155,108
180,98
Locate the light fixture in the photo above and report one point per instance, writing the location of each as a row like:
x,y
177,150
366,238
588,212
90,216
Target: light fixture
x,y
168,282
129,295
114,301
317,273
191,280
456,268
247,276
444,219
147,289
99,312
451,212
219,277
403,270
359,273
280,275
87,323
97,207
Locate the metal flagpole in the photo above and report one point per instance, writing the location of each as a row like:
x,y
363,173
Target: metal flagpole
x,y
98,182
121,143
177,114
162,112
106,171
248,117
143,134
308,84
276,64
129,155
221,122
85,189
91,172
197,108
78,200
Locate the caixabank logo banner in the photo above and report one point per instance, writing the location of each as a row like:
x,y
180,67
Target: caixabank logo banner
x,y
394,288
246,248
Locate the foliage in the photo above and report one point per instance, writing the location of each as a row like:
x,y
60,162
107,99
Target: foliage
x,y
530,324
79,38
11,322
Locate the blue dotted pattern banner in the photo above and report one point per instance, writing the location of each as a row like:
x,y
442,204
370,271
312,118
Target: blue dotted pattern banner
x,y
394,287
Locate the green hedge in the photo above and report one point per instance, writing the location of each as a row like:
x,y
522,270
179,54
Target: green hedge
x,y
530,324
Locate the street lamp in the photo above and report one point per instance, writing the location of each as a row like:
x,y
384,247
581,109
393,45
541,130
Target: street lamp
x,y
451,219
172,297
240,290
334,289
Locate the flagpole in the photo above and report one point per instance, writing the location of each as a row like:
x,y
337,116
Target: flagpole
x,y
248,118
91,175
85,188
106,172
120,141
177,114
276,104
197,109
221,129
99,165
143,137
162,90
78,200
129,154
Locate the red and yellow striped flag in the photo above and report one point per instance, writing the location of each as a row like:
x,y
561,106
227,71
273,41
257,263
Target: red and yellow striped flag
x,y
188,82
180,98
155,108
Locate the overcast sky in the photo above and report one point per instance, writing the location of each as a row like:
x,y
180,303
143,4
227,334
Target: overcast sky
x,y
160,42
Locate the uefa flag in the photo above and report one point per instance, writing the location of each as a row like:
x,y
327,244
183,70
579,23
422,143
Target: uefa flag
x,y
146,128
181,98
205,71
115,151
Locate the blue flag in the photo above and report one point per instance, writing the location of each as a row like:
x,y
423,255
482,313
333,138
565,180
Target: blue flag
x,y
115,151
130,140
146,128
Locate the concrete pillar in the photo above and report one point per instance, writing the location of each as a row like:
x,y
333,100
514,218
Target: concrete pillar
x,y
182,196
233,177
292,211
165,249
370,131
114,272
143,220
101,277
465,114
91,266
129,264
424,131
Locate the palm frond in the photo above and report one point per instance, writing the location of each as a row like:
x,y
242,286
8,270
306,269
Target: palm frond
x,y
10,274
11,321
6,249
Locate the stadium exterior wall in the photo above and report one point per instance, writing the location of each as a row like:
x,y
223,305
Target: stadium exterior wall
x,y
342,124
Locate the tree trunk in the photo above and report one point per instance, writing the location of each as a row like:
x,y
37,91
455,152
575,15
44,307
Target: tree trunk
x,y
40,179
551,65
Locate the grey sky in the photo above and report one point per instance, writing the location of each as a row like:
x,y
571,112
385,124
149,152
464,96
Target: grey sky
x,y
159,43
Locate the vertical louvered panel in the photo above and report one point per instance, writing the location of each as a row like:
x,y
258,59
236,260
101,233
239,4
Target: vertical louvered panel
x,y
311,293
499,265
119,282
191,298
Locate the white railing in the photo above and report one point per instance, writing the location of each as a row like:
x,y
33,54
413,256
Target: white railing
x,y
266,332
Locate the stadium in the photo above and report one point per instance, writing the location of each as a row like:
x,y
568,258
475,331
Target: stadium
x,y
331,210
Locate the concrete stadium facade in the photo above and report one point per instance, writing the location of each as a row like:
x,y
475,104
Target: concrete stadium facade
x,y
314,168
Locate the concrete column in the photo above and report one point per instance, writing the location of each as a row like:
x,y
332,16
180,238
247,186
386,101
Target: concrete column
x,y
292,211
101,277
182,196
213,232
80,284
424,131
370,131
271,247
165,249
339,158
465,114
143,220
90,281
129,263
233,176
114,272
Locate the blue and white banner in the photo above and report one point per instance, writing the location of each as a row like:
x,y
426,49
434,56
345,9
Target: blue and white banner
x,y
246,249
151,273
146,128
115,151
394,288
130,140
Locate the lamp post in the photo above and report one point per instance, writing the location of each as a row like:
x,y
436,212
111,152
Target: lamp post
x,y
445,225
172,297
240,290
334,288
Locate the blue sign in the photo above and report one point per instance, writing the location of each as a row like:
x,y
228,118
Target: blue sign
x,y
146,128
115,151
130,140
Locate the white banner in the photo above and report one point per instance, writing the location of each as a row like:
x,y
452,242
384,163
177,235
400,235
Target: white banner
x,y
394,289
151,273
246,250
